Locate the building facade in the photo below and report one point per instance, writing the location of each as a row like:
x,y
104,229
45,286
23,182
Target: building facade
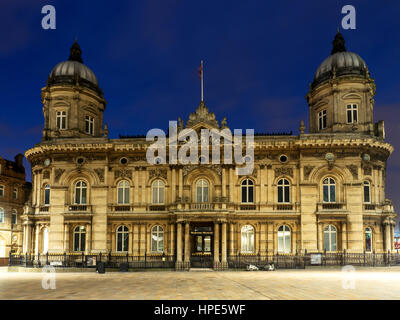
x,y
321,190
14,193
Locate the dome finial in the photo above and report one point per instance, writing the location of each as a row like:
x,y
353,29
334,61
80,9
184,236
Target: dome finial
x,y
75,52
338,43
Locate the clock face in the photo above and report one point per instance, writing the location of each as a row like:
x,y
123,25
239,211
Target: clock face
x,y
329,156
366,157
47,162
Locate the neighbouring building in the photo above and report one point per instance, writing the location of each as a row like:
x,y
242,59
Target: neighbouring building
x,y
14,193
323,189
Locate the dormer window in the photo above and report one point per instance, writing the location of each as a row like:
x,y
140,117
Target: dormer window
x,y
322,119
89,125
352,113
61,120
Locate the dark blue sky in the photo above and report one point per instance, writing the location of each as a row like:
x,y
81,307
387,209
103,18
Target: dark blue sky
x,y
259,60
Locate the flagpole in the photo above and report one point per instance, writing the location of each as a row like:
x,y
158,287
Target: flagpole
x,y
202,80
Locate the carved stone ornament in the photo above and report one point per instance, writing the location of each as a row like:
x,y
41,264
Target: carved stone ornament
x,y
188,168
367,171
307,171
46,174
202,115
100,173
123,173
284,171
354,171
58,174
158,173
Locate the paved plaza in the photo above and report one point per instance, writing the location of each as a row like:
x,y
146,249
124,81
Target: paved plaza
x,y
364,283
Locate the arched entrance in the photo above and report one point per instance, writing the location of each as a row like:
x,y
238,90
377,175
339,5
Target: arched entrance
x,y
202,235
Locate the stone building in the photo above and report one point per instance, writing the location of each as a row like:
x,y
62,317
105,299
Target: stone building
x,y
14,193
321,190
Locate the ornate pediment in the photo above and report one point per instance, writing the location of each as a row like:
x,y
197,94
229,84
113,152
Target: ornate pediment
x,y
201,116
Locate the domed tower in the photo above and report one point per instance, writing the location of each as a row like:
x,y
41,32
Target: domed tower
x,y
73,102
341,97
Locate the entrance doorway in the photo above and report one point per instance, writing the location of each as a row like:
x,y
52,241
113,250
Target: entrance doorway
x,y
202,245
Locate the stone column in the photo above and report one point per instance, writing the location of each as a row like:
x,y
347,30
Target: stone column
x,y
388,244
135,239
319,237
344,235
224,261
173,185
231,240
180,184
294,245
172,239
231,184
223,182
216,244
66,237
178,264
88,244
37,231
187,246
29,237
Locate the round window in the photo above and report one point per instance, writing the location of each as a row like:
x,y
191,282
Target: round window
x,y
123,160
80,160
283,158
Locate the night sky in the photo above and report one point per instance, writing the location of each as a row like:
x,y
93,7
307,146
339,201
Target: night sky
x,y
259,59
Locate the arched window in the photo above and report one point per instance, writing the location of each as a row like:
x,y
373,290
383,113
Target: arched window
x,y
247,191
14,217
202,190
157,239
79,238
367,192
368,239
247,239
80,192
46,194
15,193
122,238
46,240
158,192
123,192
284,244
283,190
1,215
329,190
330,238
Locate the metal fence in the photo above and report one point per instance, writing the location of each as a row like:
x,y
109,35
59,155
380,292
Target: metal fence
x,y
240,261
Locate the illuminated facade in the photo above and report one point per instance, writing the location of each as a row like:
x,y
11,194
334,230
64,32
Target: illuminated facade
x,y
321,190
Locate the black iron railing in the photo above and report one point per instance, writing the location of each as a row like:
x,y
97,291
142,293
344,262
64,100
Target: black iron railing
x,y
239,261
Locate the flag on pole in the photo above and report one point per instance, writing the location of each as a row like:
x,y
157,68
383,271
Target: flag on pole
x,y
200,70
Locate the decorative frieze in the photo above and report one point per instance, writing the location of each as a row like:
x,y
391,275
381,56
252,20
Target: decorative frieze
x,y
123,173
158,173
284,171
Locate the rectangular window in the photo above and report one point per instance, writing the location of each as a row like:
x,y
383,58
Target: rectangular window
x,y
89,125
366,194
1,191
61,120
14,218
322,119
352,113
15,194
